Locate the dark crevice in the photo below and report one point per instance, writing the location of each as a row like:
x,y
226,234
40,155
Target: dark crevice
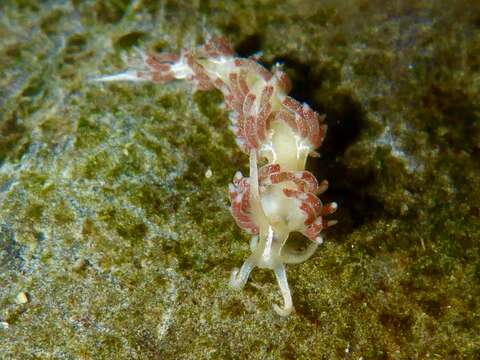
x,y
346,120
344,114
348,189
248,46
304,82
348,186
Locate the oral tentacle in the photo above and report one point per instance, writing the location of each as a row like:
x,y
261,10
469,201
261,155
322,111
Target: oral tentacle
x,y
281,275
239,278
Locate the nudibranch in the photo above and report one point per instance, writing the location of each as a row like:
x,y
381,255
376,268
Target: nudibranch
x,y
280,197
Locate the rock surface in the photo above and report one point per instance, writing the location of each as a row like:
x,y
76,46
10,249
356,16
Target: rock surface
x,y
120,247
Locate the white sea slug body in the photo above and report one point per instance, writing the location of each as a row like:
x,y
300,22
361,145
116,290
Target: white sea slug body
x,y
279,197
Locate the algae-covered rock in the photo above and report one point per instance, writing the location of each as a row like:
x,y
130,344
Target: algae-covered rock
x,y
114,244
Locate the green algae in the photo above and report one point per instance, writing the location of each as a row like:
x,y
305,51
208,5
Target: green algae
x,y
125,247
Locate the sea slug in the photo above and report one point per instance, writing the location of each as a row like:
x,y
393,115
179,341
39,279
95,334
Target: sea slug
x,y
279,197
